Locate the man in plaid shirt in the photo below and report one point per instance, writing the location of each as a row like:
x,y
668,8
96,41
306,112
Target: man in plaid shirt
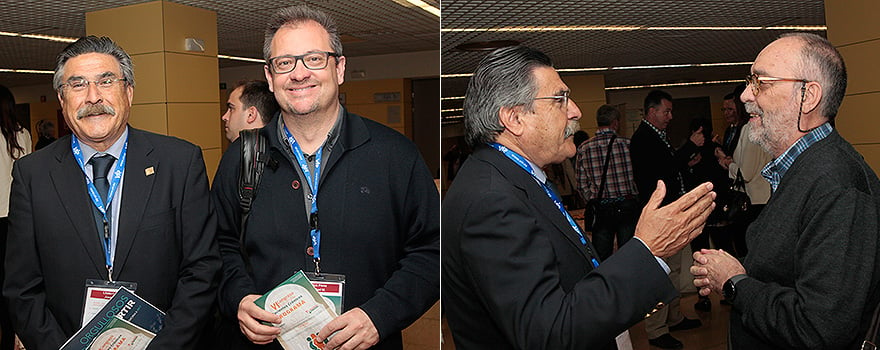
x,y
619,209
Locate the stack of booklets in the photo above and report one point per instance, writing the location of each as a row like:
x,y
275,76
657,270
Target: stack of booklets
x,y
127,322
302,309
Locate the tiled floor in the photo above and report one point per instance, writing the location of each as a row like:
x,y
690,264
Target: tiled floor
x,y
711,336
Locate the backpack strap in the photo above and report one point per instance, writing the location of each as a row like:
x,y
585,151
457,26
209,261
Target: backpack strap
x,y
253,161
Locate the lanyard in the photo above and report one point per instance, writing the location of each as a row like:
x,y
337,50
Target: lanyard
x,y
99,202
523,163
312,180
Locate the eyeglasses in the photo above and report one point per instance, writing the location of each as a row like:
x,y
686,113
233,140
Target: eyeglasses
x,y
81,85
755,82
312,60
562,99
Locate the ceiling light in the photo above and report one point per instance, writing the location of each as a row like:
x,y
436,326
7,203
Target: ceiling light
x,y
711,82
420,4
70,40
629,28
32,71
599,69
452,110
246,59
40,36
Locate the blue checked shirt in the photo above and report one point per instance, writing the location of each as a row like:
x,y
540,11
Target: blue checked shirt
x,y
776,169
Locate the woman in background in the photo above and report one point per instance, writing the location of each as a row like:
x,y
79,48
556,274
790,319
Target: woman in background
x,y
15,142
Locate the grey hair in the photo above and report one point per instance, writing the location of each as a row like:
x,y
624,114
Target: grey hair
x,y
503,79
606,114
93,44
298,14
821,62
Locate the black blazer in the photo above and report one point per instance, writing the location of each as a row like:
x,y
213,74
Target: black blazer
x,y
166,240
653,160
516,276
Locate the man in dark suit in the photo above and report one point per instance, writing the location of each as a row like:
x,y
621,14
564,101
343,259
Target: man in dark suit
x,y
518,272
730,110
811,278
654,158
158,231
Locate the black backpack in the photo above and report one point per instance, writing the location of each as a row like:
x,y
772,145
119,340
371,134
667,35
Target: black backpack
x,y
253,161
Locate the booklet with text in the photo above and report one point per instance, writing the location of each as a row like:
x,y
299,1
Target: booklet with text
x,y
302,309
127,322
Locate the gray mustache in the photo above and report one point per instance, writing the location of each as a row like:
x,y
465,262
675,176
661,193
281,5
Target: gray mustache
x,y
94,110
571,128
753,109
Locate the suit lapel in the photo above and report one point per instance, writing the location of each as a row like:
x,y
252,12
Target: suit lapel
x,y
135,194
536,196
70,185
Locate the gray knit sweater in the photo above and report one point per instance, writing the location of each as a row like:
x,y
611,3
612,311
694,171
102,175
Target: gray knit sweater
x,y
814,256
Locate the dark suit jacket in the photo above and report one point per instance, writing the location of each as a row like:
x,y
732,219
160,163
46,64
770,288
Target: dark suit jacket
x,y
166,240
516,276
734,140
652,160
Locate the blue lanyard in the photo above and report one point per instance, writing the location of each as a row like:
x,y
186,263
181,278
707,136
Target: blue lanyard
x,y
523,163
99,202
312,180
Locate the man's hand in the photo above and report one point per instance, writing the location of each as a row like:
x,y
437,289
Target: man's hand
x,y
249,317
725,162
698,138
666,230
712,268
354,331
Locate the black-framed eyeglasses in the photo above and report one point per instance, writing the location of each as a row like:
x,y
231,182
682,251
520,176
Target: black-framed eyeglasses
x,y
312,60
80,84
562,99
755,82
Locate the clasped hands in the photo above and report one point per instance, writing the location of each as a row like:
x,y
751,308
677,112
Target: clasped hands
x,y
713,267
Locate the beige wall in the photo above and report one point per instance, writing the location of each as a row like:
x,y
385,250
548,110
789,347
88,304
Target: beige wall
x,y
176,90
588,91
854,30
359,99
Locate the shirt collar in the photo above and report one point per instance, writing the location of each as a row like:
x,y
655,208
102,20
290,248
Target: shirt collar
x,y
540,175
115,149
605,130
658,131
776,169
329,142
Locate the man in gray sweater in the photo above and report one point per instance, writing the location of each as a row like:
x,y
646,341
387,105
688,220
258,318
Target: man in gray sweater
x,y
811,276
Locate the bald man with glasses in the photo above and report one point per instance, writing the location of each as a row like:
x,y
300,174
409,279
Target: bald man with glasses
x,y
811,276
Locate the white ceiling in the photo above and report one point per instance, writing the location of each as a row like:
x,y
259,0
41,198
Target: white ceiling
x,y
581,49
368,27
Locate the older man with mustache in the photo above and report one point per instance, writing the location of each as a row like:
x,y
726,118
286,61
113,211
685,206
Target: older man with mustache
x,y
108,206
810,278
518,272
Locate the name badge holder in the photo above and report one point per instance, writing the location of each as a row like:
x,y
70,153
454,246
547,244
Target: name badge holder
x,y
98,293
331,286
